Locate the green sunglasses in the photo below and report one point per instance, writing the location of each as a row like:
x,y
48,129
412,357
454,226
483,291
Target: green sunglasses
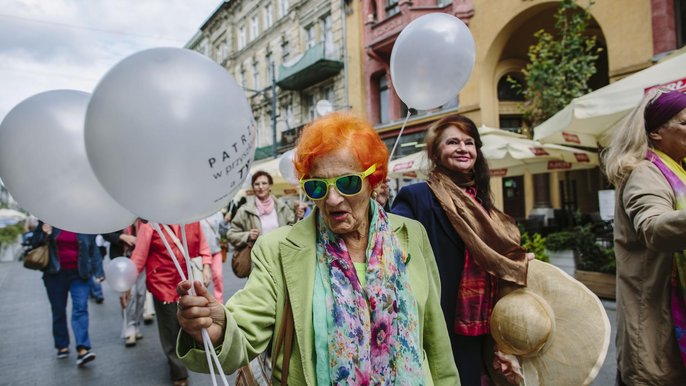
x,y
347,185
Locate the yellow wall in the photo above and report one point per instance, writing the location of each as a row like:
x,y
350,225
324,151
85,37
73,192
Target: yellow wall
x,y
502,31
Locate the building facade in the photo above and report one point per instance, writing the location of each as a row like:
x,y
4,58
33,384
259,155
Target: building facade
x,y
288,55
632,35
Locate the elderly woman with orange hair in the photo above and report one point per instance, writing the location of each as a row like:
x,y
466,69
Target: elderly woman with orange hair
x,y
362,284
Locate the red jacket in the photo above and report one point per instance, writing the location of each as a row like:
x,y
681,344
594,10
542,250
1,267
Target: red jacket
x,y
151,254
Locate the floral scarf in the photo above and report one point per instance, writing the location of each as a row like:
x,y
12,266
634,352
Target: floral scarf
x,y
372,331
676,176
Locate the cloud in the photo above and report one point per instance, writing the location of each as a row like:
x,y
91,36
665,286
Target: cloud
x,y
56,44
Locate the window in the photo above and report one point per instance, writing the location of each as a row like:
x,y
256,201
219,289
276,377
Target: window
x,y
680,13
507,91
287,114
328,93
326,27
311,106
284,8
392,7
240,76
270,67
383,99
268,16
511,123
285,51
254,28
309,36
256,76
241,37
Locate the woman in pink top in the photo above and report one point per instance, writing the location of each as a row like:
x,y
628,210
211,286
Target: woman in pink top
x,y
162,278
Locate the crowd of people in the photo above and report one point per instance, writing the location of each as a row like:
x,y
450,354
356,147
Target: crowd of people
x,y
377,289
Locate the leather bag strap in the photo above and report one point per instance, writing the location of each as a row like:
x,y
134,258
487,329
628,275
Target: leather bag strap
x,y
285,338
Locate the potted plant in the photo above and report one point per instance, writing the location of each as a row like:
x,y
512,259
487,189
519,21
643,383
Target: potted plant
x,y
594,258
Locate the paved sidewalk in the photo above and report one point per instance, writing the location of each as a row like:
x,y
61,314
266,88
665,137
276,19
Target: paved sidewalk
x,y
28,356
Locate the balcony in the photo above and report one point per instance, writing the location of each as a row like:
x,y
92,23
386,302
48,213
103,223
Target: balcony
x,y
315,65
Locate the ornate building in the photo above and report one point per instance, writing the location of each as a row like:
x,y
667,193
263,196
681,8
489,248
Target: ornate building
x,y
287,54
632,34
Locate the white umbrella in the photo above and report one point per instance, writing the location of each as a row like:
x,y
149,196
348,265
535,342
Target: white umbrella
x,y
507,156
590,119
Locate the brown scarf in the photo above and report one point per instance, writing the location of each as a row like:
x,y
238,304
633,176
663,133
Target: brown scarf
x,y
492,238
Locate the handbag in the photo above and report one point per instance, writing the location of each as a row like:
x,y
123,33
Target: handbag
x,y
261,375
37,258
241,262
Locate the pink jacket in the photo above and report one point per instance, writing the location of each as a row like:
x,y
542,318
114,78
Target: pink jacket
x,y
151,254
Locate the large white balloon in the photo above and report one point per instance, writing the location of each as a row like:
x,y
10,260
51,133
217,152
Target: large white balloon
x,y
432,60
43,164
121,273
170,135
286,167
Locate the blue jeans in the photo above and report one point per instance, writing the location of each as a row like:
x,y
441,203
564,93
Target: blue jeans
x,y
95,289
59,286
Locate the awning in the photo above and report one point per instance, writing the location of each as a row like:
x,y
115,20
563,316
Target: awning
x,y
590,119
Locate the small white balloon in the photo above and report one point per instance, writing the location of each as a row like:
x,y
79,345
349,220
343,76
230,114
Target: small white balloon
x,y
287,168
432,60
170,135
121,274
44,166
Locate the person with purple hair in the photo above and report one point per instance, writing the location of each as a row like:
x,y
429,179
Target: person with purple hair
x,y
645,162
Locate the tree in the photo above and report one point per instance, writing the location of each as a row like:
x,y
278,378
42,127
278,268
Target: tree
x,y
559,65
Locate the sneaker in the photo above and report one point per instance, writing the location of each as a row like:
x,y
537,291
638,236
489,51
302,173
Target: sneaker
x,y
130,341
84,358
148,318
63,353
139,335
99,300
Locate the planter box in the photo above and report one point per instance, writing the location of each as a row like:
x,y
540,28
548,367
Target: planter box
x,y
602,284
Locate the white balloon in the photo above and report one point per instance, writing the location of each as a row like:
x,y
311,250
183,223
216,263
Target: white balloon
x,y
170,135
286,167
121,274
432,60
43,164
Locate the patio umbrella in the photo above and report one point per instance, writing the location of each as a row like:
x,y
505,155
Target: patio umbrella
x,y
590,119
417,165
507,156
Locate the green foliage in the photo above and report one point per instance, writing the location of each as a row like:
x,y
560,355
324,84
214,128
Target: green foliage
x,y
560,241
589,253
10,233
535,244
560,64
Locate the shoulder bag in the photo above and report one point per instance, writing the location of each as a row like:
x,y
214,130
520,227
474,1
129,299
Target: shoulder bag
x,y
37,258
246,376
241,261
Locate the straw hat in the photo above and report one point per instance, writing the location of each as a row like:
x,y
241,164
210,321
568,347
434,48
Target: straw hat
x,y
556,326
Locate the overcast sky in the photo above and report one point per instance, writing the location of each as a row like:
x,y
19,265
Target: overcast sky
x,y
70,44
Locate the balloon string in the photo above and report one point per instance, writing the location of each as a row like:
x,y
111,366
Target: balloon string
x,y
186,256
209,349
397,140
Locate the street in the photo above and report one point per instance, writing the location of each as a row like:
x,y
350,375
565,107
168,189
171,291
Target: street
x,y
28,356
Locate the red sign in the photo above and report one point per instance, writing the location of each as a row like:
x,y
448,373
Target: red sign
x,y
538,151
675,85
499,172
582,157
559,165
403,166
569,137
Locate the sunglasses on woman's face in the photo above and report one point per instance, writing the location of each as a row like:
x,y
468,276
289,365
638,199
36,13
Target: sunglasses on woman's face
x,y
347,185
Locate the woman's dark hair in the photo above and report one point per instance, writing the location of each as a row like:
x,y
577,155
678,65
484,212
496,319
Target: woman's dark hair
x,y
261,173
482,174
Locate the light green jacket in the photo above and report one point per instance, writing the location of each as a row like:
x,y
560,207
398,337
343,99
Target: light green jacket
x,y
286,257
